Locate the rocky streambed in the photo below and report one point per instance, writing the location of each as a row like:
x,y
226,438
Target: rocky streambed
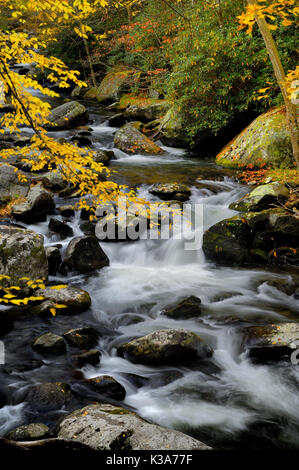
x,y
196,341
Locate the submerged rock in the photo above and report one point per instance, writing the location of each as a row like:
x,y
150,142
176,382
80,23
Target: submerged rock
x,y
171,191
29,432
129,139
186,308
83,338
76,300
108,427
108,387
84,255
39,203
67,116
22,255
266,141
49,343
174,346
261,198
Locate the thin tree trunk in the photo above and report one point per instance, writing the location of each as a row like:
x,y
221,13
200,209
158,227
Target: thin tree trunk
x,y
291,110
92,74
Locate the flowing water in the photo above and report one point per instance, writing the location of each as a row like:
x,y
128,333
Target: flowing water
x,y
226,401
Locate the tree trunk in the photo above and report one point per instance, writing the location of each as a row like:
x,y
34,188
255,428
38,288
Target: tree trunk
x,y
92,74
291,109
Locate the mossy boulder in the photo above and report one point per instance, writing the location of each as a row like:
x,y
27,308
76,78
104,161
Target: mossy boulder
x,y
112,428
83,338
37,205
67,116
129,139
49,343
266,141
91,93
261,198
74,299
11,187
173,346
29,432
173,128
22,254
171,191
114,84
140,108
273,342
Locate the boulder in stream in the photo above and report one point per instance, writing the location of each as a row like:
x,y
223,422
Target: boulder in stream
x,y
108,387
263,197
109,427
67,116
171,191
129,139
49,343
11,186
29,432
62,228
22,255
54,259
74,299
83,338
189,307
92,357
49,396
173,346
39,203
84,255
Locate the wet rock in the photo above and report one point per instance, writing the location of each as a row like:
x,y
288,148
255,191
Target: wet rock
x,y
103,156
49,396
88,227
22,255
172,191
273,342
21,367
119,229
49,343
117,120
54,181
39,203
10,185
81,140
261,198
6,323
67,116
76,300
84,255
186,308
29,432
265,142
129,139
83,338
67,210
54,259
108,387
108,427
89,357
173,346
62,228
173,128
43,310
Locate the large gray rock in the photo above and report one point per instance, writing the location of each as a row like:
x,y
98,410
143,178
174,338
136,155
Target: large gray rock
x,y
108,427
11,186
272,342
29,432
84,255
173,346
49,343
22,255
113,85
75,300
171,191
129,139
39,203
67,116
261,198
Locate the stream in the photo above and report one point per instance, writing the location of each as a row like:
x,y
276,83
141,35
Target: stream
x,y
226,401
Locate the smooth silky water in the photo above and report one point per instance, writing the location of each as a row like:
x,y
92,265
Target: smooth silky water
x,y
226,401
